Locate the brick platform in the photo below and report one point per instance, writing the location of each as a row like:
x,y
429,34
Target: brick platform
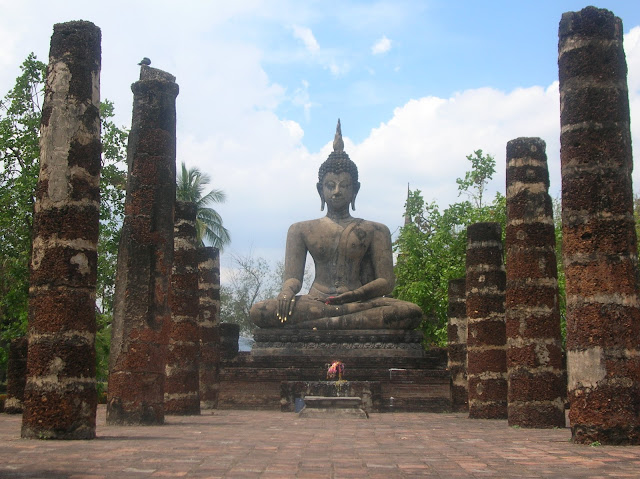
x,y
265,444
415,383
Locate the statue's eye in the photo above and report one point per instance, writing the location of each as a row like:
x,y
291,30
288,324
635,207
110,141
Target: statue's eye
x,y
330,184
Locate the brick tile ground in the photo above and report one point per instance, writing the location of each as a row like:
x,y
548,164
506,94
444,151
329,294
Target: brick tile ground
x,y
260,444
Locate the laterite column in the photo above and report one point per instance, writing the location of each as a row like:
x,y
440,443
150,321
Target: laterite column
x,y
535,372
457,348
16,375
486,333
60,397
141,316
181,389
209,321
599,239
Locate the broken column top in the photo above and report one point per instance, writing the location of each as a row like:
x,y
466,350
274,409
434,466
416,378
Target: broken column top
x,y
150,73
590,22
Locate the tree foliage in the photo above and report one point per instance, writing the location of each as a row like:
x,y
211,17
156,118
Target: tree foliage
x,y
475,180
191,183
252,279
20,114
431,247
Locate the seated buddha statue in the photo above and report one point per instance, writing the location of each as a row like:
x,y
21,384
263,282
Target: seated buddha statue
x,y
353,264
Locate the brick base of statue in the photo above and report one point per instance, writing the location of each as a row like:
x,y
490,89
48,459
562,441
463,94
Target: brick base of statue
x,y
398,376
341,344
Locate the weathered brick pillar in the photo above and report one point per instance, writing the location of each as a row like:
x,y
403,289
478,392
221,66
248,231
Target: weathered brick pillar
x,y
457,349
535,372
141,315
486,332
209,321
60,397
16,375
599,240
181,389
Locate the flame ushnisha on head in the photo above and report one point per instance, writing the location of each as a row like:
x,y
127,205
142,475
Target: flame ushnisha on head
x,y
338,144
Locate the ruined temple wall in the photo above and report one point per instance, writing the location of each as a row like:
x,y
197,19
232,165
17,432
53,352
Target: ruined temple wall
x,y
457,343
209,324
181,390
599,238
486,332
141,315
536,379
16,375
60,397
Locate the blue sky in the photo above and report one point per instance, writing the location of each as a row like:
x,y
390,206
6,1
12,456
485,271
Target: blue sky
x,y
418,85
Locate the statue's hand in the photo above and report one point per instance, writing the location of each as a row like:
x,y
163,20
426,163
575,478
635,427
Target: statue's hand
x,y
348,297
286,301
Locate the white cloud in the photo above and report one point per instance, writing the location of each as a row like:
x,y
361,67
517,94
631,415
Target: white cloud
x,y
306,36
383,45
427,140
301,98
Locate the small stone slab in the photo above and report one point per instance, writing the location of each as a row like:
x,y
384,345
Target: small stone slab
x,y
323,406
332,402
323,412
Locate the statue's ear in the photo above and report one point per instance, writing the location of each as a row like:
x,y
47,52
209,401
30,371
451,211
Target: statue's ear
x,y
319,187
356,188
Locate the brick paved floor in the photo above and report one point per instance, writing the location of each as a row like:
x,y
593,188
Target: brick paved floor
x,y
261,444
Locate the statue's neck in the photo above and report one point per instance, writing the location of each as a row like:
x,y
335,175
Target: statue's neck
x,y
339,215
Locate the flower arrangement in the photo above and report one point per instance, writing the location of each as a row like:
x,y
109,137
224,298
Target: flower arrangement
x,y
336,370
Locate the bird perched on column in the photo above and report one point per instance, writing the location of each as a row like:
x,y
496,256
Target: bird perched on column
x,y
145,61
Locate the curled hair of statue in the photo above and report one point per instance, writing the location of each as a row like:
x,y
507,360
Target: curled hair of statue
x,y
338,161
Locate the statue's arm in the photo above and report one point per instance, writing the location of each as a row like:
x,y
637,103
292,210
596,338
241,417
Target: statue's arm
x,y
294,261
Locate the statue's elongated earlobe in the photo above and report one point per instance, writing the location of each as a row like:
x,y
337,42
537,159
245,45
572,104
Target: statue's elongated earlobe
x,y
319,188
356,188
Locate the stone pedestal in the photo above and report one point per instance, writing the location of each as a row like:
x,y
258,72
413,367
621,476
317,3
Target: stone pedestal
x,y
396,375
336,345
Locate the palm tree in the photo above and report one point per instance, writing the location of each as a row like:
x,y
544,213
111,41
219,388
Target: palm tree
x,y
190,185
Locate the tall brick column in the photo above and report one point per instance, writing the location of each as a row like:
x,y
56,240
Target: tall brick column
x,y
60,397
181,389
141,313
457,349
16,375
209,321
486,332
535,372
599,240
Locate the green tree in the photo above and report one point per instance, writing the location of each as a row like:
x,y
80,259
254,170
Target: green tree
x,y
475,181
252,279
113,179
431,247
20,114
190,187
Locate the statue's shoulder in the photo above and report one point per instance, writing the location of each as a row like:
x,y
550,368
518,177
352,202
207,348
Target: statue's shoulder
x,y
374,226
304,226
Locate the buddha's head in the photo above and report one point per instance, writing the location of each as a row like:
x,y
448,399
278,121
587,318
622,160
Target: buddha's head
x,y
338,176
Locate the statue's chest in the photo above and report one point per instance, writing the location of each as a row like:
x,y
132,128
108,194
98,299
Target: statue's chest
x,y
336,244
